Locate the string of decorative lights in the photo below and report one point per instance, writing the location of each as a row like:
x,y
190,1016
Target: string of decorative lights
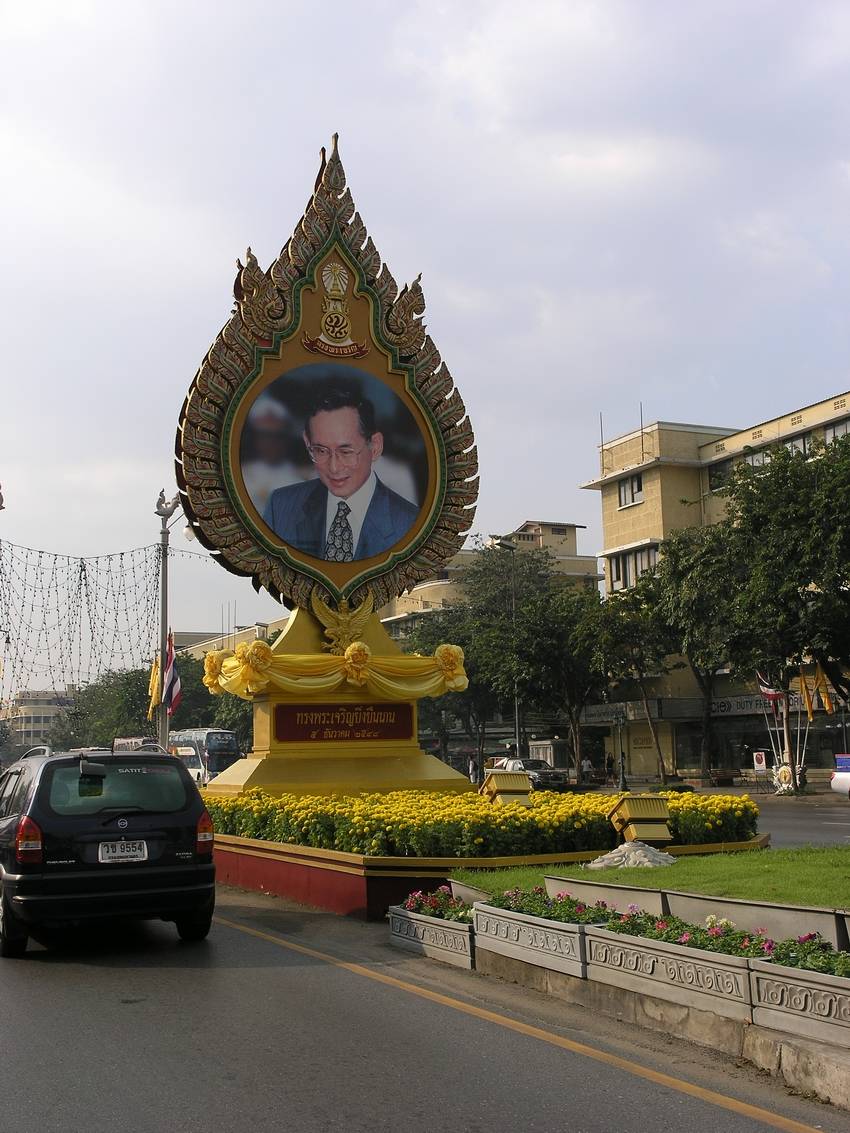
x,y
65,620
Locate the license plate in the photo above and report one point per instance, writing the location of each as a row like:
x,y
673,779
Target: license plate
x,y
122,851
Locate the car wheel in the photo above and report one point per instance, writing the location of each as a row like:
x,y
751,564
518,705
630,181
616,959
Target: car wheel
x,y
13,940
194,928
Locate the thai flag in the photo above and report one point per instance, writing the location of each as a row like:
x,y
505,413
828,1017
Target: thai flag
x,y
767,692
171,694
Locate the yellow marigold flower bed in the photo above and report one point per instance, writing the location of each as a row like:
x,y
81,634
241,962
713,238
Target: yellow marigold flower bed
x,y
428,824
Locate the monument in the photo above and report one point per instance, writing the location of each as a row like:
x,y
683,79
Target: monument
x,y
324,452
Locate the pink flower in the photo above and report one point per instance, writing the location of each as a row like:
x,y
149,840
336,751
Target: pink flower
x,y
684,938
715,931
768,946
745,943
805,939
661,926
634,908
580,907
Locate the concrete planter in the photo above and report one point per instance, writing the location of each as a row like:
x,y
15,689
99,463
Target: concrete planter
x,y
449,941
546,944
800,1002
779,921
617,897
468,893
708,981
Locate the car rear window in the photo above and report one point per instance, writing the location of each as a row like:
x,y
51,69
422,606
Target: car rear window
x,y
131,784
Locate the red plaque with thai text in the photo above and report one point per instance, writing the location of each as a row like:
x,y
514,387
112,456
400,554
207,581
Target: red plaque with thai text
x,y
325,722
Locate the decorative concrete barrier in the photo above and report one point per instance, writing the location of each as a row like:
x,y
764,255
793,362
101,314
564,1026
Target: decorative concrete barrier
x,y
692,977
449,941
547,944
801,1002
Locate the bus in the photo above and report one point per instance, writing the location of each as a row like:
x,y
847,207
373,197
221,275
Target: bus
x,y
216,747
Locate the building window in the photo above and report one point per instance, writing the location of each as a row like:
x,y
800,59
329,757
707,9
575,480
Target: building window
x,y
840,403
559,530
720,446
626,568
758,458
757,434
631,490
718,474
797,420
838,429
525,537
802,444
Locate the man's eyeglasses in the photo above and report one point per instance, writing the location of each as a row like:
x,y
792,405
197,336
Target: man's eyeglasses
x,y
345,454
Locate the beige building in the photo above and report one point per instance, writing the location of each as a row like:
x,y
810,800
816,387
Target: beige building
x,y
32,713
443,590
658,479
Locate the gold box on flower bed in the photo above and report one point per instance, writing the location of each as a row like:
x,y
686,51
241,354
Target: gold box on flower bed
x,y
641,818
506,787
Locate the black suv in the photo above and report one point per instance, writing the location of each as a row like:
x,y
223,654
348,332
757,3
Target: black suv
x,y
102,834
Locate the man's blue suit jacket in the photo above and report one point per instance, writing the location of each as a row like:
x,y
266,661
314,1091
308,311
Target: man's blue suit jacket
x,y
298,512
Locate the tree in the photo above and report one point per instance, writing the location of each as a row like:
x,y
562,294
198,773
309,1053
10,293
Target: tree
x,y
115,704
699,574
570,675
506,621
236,715
478,702
633,642
792,532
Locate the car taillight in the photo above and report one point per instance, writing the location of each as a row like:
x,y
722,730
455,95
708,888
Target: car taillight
x,y
28,846
204,839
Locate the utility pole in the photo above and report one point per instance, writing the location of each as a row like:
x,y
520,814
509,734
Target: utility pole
x,y
164,509
502,543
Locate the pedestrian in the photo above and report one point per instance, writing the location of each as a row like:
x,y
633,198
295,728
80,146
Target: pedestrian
x,y
609,767
473,769
586,769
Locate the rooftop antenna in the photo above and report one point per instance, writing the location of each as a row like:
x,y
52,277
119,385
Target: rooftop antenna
x,y
601,446
640,403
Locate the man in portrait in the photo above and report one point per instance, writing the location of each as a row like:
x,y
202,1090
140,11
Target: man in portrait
x,y
346,512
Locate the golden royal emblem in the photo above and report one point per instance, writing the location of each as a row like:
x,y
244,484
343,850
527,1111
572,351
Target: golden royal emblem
x,y
335,341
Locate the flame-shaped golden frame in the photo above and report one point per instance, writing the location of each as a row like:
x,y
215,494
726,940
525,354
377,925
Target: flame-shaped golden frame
x,y
267,316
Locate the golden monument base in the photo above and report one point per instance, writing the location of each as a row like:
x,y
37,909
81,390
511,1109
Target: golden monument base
x,y
360,735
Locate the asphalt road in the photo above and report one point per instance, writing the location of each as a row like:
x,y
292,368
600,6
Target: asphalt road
x,y
288,1019
816,820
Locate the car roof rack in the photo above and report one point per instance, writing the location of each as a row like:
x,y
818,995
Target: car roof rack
x,y
42,749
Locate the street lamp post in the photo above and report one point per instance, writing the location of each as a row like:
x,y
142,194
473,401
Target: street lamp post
x,y
164,509
503,544
619,720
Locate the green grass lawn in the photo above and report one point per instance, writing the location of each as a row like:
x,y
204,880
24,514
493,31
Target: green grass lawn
x,y
806,876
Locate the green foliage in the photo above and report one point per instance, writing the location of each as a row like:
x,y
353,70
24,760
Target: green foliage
x,y
236,715
792,531
116,704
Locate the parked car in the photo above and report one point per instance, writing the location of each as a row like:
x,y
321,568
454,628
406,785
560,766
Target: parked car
x,y
102,835
840,779
542,775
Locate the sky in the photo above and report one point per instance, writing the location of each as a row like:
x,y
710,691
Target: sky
x,y
611,205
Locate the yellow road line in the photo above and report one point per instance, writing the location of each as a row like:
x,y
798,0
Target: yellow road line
x,y
776,1121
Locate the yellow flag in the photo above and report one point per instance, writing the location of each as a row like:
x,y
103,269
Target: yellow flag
x,y
807,699
153,688
822,686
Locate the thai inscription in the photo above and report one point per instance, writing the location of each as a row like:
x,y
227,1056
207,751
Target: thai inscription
x,y
323,722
